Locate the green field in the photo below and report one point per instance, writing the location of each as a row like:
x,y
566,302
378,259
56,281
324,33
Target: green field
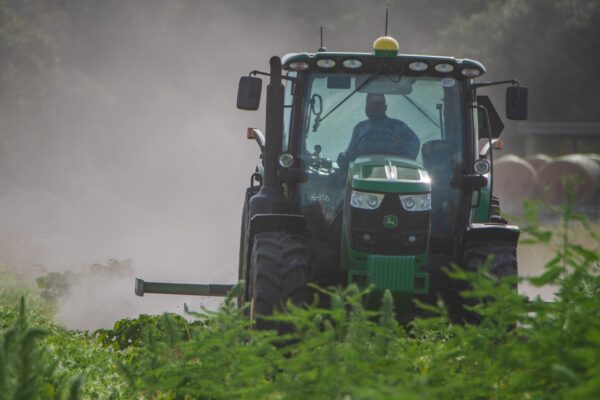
x,y
520,350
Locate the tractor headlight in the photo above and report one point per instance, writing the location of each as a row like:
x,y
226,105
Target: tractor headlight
x,y
326,63
366,201
418,66
471,72
482,166
298,65
352,63
444,68
416,202
286,160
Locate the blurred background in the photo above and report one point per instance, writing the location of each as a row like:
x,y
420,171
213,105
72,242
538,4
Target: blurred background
x,y
120,143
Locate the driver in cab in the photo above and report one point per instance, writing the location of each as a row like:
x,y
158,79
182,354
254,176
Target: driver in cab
x,y
380,134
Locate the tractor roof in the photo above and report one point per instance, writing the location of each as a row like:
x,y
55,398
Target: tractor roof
x,y
369,62
384,49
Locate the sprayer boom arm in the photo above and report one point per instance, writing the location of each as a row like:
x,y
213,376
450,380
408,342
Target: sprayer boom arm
x,y
189,289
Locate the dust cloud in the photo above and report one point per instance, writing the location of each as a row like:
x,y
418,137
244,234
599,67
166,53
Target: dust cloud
x,y
138,151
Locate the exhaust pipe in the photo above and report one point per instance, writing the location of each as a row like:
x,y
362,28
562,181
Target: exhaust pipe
x,y
270,198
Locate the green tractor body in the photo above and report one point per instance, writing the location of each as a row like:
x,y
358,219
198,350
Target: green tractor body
x,y
376,169
370,237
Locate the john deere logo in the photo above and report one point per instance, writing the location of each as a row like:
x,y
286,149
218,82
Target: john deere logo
x,y
390,221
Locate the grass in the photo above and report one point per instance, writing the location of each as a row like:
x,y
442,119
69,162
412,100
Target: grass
x,y
521,349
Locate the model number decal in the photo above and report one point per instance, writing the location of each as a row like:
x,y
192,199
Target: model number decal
x,y
320,197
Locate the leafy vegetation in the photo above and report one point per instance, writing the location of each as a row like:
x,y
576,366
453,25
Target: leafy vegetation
x,y
521,348
40,360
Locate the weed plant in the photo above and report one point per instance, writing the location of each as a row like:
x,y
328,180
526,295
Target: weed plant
x,y
521,348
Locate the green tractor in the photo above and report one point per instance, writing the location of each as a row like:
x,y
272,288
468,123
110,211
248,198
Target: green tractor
x,y
377,170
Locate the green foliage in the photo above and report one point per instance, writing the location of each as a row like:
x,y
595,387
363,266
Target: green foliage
x,y
129,331
39,360
521,348
26,371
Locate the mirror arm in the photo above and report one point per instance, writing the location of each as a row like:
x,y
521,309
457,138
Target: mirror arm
x,y
513,82
256,72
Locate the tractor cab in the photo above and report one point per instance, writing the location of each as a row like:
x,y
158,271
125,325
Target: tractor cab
x,y
361,125
375,162
372,172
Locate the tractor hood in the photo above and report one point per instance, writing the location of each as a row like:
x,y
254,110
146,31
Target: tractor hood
x,y
389,174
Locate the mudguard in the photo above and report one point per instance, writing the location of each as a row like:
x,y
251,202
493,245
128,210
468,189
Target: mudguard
x,y
491,231
277,222
292,223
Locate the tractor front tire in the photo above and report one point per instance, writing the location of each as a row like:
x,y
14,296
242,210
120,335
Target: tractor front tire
x,y
279,272
475,256
503,252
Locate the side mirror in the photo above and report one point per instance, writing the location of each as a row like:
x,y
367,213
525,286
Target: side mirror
x,y
249,89
516,103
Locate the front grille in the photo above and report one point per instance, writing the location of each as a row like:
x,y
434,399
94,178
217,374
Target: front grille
x,y
389,241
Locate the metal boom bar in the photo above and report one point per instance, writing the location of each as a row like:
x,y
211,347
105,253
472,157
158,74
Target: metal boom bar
x,y
189,289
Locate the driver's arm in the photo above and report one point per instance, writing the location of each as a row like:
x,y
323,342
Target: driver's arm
x,y
351,151
413,144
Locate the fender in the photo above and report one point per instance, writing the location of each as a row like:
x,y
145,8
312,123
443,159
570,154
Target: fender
x,y
271,222
292,223
491,231
259,223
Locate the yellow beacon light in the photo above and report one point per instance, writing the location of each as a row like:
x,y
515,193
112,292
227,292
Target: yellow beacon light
x,y
386,46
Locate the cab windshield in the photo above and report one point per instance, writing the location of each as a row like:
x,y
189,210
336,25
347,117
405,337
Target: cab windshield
x,y
429,107
349,115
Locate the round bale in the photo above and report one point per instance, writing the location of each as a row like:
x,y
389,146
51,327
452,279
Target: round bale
x,y
537,161
594,156
580,170
515,180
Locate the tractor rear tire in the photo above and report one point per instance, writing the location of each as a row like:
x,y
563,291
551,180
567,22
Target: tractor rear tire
x,y
475,255
279,272
243,253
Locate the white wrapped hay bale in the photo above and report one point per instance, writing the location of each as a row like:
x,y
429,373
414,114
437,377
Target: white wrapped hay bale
x,y
537,161
515,180
595,157
582,170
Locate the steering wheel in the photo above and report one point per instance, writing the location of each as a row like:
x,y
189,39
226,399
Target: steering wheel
x,y
317,164
384,142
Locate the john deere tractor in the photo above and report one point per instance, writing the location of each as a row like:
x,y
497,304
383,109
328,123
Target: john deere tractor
x,y
376,169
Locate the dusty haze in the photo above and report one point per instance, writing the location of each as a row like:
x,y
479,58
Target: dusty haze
x,y
153,165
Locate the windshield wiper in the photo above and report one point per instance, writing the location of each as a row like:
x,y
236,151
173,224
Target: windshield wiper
x,y
318,119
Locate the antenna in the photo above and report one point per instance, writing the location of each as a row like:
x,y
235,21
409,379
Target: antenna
x,y
321,48
321,36
387,11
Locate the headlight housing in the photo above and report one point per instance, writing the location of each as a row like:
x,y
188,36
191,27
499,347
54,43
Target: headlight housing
x,y
482,167
366,201
416,202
